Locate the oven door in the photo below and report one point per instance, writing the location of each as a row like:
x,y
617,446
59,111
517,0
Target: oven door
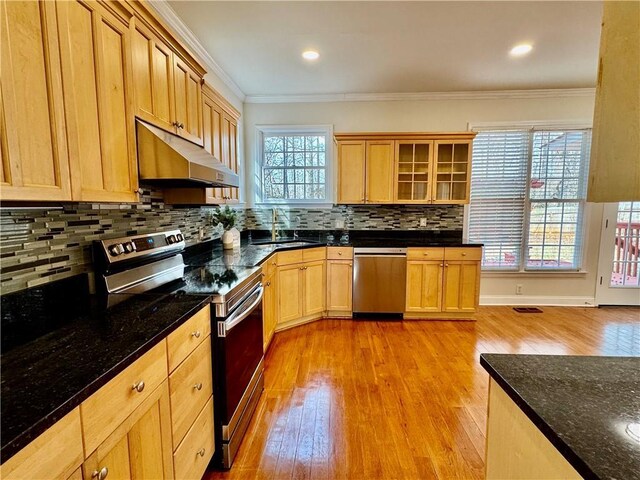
x,y
239,371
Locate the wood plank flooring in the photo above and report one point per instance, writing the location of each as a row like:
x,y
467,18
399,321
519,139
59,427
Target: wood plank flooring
x,y
401,400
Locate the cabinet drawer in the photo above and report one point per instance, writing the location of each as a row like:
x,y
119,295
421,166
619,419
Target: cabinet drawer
x,y
190,386
269,265
192,456
427,253
340,253
114,402
182,341
313,254
289,257
463,253
54,454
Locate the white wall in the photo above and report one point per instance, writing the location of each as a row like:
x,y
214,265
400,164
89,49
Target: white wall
x,y
451,115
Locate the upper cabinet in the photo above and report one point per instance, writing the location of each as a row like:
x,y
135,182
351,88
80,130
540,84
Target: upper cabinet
x,y
35,160
168,89
220,139
404,168
614,173
97,88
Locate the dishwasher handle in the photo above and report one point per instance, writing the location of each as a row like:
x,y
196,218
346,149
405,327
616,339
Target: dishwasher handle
x,y
380,255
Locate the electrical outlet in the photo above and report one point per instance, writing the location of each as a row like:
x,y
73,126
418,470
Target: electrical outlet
x,y
200,233
519,289
423,222
340,224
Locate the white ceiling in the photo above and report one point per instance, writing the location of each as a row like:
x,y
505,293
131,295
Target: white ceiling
x,y
397,47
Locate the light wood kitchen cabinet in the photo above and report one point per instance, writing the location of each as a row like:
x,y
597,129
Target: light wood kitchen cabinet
x,y
33,145
414,159
379,171
57,453
351,171
424,286
220,139
192,456
614,169
451,171
339,288
97,91
152,62
140,447
168,90
404,168
188,98
444,281
269,309
301,290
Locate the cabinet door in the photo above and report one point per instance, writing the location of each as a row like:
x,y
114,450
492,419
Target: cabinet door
x,y
461,286
212,139
97,91
268,310
188,101
339,286
452,171
152,66
379,171
232,196
140,447
413,165
351,171
290,293
35,162
424,286
314,275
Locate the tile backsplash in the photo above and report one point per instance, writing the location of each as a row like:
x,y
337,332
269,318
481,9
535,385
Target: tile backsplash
x,y
42,245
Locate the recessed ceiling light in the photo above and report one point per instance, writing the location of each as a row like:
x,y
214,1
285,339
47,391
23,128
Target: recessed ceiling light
x,y
521,49
310,55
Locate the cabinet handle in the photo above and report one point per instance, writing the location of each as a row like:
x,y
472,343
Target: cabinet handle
x,y
268,284
446,264
180,125
339,253
442,264
464,254
198,386
138,387
351,264
425,254
273,263
201,452
100,475
139,191
306,268
196,334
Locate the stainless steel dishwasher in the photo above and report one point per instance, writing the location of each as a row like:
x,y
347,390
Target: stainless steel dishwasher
x,y
379,280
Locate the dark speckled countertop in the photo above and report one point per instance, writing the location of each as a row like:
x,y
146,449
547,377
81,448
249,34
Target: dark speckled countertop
x,y
582,404
60,345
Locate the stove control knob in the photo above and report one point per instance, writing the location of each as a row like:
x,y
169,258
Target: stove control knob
x,y
171,239
116,249
129,247
180,237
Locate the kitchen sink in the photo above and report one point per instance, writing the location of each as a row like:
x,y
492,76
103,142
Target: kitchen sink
x,y
286,243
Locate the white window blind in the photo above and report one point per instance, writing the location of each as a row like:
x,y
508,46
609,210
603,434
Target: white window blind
x,y
498,185
528,190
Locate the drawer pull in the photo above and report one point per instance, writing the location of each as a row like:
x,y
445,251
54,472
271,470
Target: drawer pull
x,y
446,264
464,254
201,452
100,475
138,387
198,386
196,334
339,253
426,253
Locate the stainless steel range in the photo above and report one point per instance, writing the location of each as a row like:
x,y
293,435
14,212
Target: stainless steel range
x,y
154,263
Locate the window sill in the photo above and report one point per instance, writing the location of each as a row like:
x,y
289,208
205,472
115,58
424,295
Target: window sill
x,y
535,273
324,205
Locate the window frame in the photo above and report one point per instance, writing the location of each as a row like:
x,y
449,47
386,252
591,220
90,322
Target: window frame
x,y
285,130
583,206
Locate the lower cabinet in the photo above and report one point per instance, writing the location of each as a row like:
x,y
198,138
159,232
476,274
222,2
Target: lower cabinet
x,y
442,280
140,447
269,310
146,423
339,281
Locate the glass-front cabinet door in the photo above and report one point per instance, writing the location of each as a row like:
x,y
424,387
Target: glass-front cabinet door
x,y
452,171
413,170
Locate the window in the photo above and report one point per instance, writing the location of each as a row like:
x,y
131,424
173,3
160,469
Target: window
x,y
528,190
295,165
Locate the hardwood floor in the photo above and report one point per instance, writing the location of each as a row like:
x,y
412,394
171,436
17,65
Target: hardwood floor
x,y
401,400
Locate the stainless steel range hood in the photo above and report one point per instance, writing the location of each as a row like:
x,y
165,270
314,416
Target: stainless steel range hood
x,y
171,161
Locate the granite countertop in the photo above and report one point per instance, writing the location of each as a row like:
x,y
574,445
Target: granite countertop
x,y
254,251
60,345
582,404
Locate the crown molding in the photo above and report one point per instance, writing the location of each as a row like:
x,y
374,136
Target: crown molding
x,y
397,97
168,14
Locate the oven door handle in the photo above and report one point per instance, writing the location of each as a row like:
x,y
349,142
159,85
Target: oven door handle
x,y
242,312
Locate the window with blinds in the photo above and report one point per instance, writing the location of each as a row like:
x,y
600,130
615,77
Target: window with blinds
x,y
528,189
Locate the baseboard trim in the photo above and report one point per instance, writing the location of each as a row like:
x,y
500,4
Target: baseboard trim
x,y
300,321
539,300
